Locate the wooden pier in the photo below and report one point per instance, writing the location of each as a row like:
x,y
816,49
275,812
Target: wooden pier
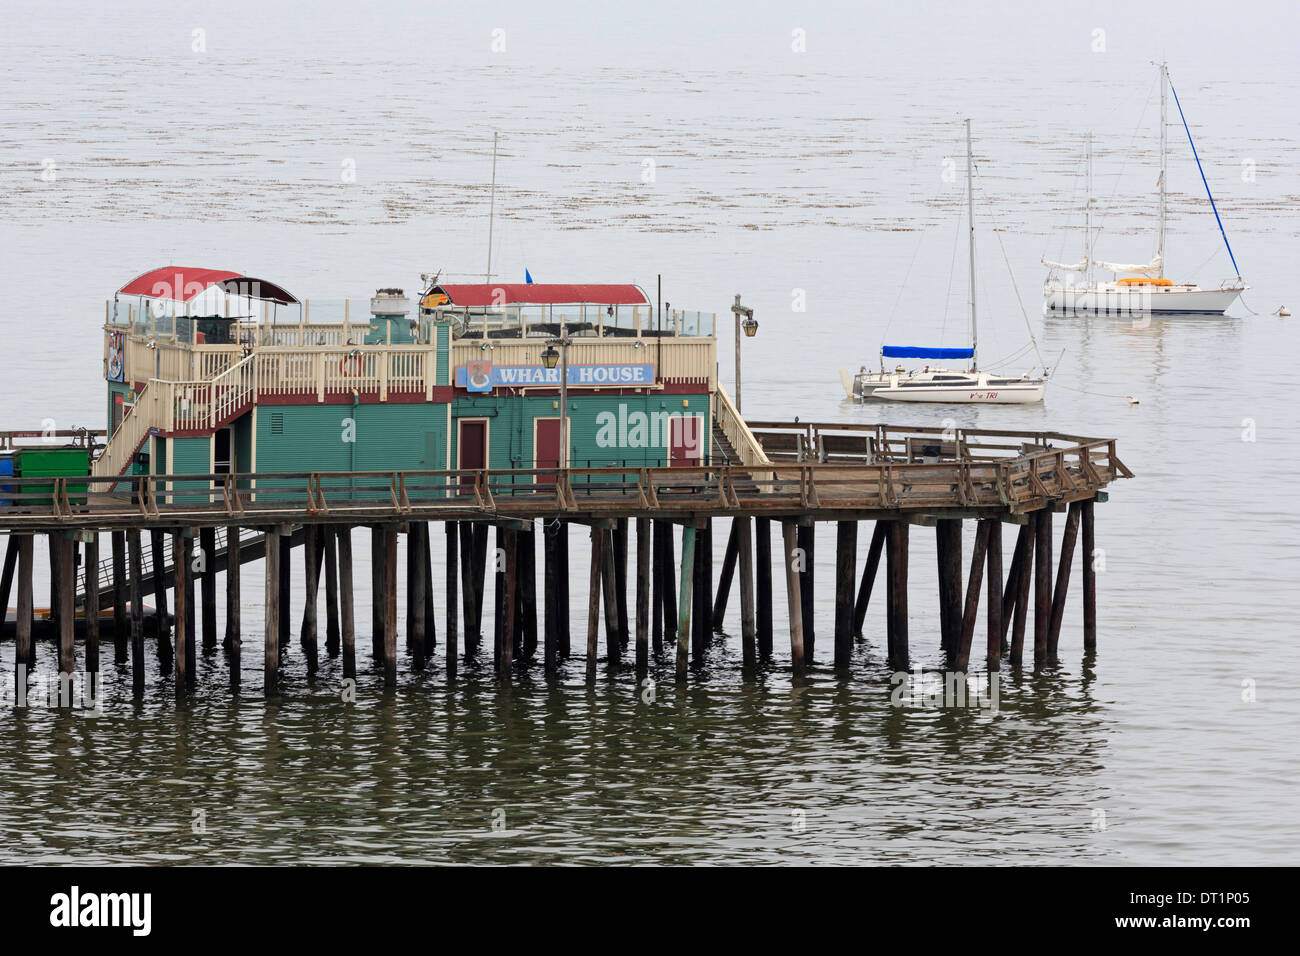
x,y
897,478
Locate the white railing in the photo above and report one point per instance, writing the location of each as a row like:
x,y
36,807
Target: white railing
x,y
747,447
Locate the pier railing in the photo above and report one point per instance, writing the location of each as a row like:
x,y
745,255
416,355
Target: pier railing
x,y
993,472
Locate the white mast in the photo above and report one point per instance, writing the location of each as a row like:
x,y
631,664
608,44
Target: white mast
x,y
492,205
970,216
1087,217
1164,85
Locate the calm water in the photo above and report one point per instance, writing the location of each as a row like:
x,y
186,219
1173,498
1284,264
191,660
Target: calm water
x,y
781,175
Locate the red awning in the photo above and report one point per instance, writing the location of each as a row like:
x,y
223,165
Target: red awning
x,y
532,293
183,283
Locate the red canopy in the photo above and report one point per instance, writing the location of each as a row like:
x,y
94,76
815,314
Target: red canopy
x,y
532,293
183,283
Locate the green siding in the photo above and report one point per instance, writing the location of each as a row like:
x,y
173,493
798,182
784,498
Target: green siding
x,y
190,456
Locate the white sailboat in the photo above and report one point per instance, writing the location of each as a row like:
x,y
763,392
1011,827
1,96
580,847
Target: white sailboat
x,y
949,386
1144,288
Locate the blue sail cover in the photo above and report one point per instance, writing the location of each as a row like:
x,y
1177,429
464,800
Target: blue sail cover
x,y
913,351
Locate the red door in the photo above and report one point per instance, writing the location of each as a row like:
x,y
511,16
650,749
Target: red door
x,y
686,440
472,444
546,452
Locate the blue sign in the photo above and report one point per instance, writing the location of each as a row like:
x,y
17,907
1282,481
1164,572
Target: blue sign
x,y
535,376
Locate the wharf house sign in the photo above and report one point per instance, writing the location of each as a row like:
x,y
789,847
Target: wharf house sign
x,y
483,376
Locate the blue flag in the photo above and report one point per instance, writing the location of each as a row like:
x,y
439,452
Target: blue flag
x,y
528,278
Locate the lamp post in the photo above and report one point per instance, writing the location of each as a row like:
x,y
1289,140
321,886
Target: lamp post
x,y
549,358
744,321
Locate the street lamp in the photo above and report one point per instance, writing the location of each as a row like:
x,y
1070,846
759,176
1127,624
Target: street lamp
x,y
550,356
746,322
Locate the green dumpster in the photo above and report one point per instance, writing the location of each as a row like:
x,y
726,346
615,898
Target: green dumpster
x,y
47,462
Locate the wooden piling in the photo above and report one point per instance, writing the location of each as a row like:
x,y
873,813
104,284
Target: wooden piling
x,y
331,591
684,600
390,610
702,606
66,549
311,575
452,576
593,599
846,572
947,538
609,584
233,640
480,534
191,611
285,590
807,538
10,567
878,535
162,620
897,558
430,613
619,536
1023,575
725,577
1089,578
642,597
378,605
748,625
550,600
669,590
562,589
656,587
23,619
794,598
137,610
467,600
56,572
347,616
416,594
526,591
763,586
1042,582
970,610
1068,538
121,636
183,635
271,635
994,597
508,539
208,581
91,607
1011,593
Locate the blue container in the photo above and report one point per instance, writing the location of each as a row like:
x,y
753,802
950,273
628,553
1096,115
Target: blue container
x,y
6,470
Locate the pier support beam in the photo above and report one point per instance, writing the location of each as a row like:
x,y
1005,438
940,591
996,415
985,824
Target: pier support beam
x,y
593,599
347,612
702,608
1068,538
970,610
162,620
1042,582
526,592
121,634
389,592
793,594
23,622
763,586
725,577
183,636
846,572
430,618
311,576
618,535
808,542
1023,576
947,539
642,597
331,592
208,592
10,567
472,559
748,625
1089,578
657,587
1011,593
137,611
684,600
551,622
191,609
91,610
378,606
995,629
668,586
416,594
878,536
66,549
452,578
271,636
896,614
286,588
509,539
233,641
609,583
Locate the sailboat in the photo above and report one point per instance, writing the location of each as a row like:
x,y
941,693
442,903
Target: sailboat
x,y
1144,287
949,386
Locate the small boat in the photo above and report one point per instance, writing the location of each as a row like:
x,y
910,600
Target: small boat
x,y
1145,289
961,386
